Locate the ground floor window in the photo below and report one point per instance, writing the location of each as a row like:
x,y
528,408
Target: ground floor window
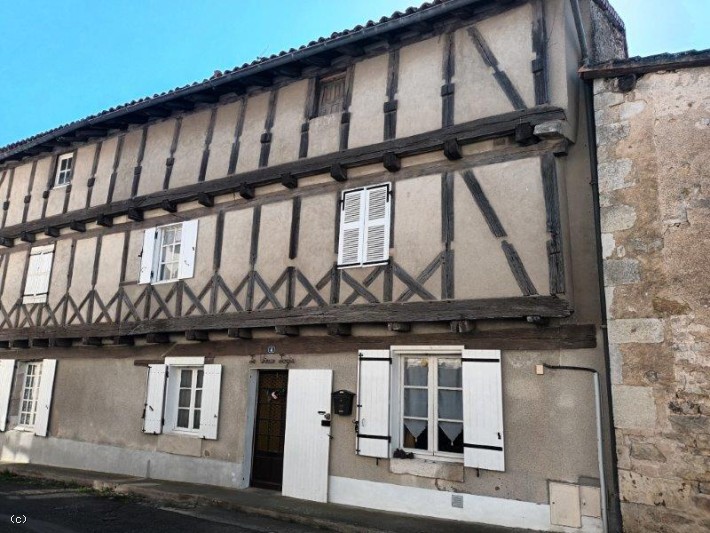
x,y
30,393
189,398
432,405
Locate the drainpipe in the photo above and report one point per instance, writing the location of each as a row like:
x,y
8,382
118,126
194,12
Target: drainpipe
x,y
610,500
600,453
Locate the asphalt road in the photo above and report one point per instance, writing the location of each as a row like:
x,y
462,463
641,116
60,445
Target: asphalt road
x,y
43,507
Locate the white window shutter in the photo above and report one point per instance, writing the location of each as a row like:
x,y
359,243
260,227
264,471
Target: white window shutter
x,y
209,416
187,249
155,396
7,372
483,410
352,216
146,273
44,396
39,272
376,246
373,403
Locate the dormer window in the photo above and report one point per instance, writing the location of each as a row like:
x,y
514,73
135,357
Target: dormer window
x,y
331,95
65,165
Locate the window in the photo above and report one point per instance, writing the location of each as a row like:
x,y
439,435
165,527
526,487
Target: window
x,y
439,402
183,397
26,394
189,398
432,405
331,95
30,392
169,253
364,226
65,164
39,273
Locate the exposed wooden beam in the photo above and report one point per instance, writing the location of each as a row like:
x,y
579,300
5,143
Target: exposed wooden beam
x,y
247,192
500,125
197,335
289,181
452,149
206,200
524,134
78,225
135,214
337,330
92,341
27,237
169,206
180,105
338,172
156,112
104,220
403,327
40,343
462,326
239,333
157,338
290,331
7,242
63,342
20,343
391,161
123,340
316,61
203,98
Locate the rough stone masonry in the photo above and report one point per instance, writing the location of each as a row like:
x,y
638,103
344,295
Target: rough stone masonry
x,y
654,179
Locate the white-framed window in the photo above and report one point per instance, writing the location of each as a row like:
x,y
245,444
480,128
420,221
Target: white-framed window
x,y
432,405
65,167
365,217
30,394
26,394
169,252
39,272
439,402
182,397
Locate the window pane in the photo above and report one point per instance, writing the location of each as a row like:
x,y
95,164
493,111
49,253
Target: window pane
x,y
186,378
416,402
415,434
168,237
450,437
200,374
451,404
198,399
184,400
416,372
196,421
450,373
183,418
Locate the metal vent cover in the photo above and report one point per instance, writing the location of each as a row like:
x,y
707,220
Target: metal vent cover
x,y
457,500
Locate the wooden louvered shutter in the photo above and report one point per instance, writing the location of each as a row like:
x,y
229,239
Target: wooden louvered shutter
x,y
187,249
7,372
376,247
373,403
483,410
146,272
39,272
44,396
352,215
155,397
211,387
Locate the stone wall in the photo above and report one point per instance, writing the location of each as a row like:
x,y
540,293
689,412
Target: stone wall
x,y
655,216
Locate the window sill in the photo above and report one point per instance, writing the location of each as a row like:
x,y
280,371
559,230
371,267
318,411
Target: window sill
x,y
26,429
165,281
183,433
61,186
438,468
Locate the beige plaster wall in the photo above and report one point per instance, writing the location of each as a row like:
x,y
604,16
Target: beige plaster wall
x,y
157,150
222,139
38,187
286,131
419,87
104,169
83,163
250,141
653,161
20,186
188,155
127,164
369,95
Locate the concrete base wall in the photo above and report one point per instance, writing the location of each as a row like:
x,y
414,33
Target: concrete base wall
x,y
25,447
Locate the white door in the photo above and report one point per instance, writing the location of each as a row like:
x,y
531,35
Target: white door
x,y
307,442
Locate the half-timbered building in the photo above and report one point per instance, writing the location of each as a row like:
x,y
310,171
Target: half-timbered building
x,y
354,272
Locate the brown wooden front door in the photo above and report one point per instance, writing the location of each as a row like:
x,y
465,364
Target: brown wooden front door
x,y
269,430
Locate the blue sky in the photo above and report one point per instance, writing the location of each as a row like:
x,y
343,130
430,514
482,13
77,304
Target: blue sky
x,y
62,61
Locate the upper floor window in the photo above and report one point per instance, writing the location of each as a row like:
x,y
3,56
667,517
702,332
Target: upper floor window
x,y
65,165
169,252
364,226
39,273
331,95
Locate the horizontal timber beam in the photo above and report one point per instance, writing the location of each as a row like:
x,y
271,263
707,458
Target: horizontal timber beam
x,y
569,337
466,133
440,311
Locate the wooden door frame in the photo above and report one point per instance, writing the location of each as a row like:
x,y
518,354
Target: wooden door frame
x,y
252,405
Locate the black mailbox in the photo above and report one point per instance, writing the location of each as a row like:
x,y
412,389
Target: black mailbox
x,y
343,402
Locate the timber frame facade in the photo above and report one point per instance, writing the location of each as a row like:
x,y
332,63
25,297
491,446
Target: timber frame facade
x,y
205,233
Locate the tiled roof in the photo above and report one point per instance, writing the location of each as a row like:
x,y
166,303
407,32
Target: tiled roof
x,y
641,65
218,75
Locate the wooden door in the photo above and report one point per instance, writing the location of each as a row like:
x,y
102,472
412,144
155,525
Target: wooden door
x,y
269,430
307,446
